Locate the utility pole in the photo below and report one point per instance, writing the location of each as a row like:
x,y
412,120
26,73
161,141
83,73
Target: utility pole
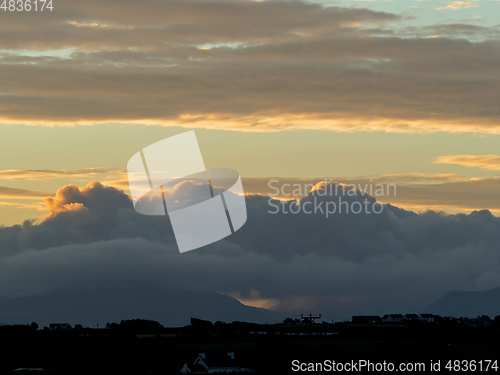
x,y
310,320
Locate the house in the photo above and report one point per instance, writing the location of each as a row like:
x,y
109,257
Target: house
x,y
185,369
486,323
427,317
59,326
213,363
393,317
410,317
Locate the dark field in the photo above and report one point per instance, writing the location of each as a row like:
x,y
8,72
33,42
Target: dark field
x,y
166,350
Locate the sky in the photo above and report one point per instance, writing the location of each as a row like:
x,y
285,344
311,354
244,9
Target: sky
x,y
356,92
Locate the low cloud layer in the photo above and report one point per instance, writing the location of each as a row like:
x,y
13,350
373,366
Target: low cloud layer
x,y
398,261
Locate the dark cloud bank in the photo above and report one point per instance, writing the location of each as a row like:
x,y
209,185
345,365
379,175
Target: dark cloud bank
x,y
397,261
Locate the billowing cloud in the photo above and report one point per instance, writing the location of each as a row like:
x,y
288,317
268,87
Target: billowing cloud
x,y
347,263
95,196
447,192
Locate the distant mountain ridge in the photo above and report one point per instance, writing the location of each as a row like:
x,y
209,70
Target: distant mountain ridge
x,y
90,305
467,304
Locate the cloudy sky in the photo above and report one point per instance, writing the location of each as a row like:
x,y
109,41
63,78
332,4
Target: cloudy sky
x,y
393,92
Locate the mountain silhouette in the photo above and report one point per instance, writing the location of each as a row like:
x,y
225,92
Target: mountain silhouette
x,y
103,302
467,304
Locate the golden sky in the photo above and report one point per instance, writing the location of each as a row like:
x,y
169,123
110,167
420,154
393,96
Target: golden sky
x,y
402,92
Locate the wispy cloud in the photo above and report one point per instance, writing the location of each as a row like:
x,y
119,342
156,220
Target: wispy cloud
x,y
49,174
26,206
487,162
12,193
456,5
421,177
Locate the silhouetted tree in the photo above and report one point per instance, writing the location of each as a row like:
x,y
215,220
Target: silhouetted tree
x,y
200,323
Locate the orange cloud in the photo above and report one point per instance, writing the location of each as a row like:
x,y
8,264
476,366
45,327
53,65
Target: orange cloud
x,y
12,193
423,177
65,196
48,174
487,162
455,5
274,123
